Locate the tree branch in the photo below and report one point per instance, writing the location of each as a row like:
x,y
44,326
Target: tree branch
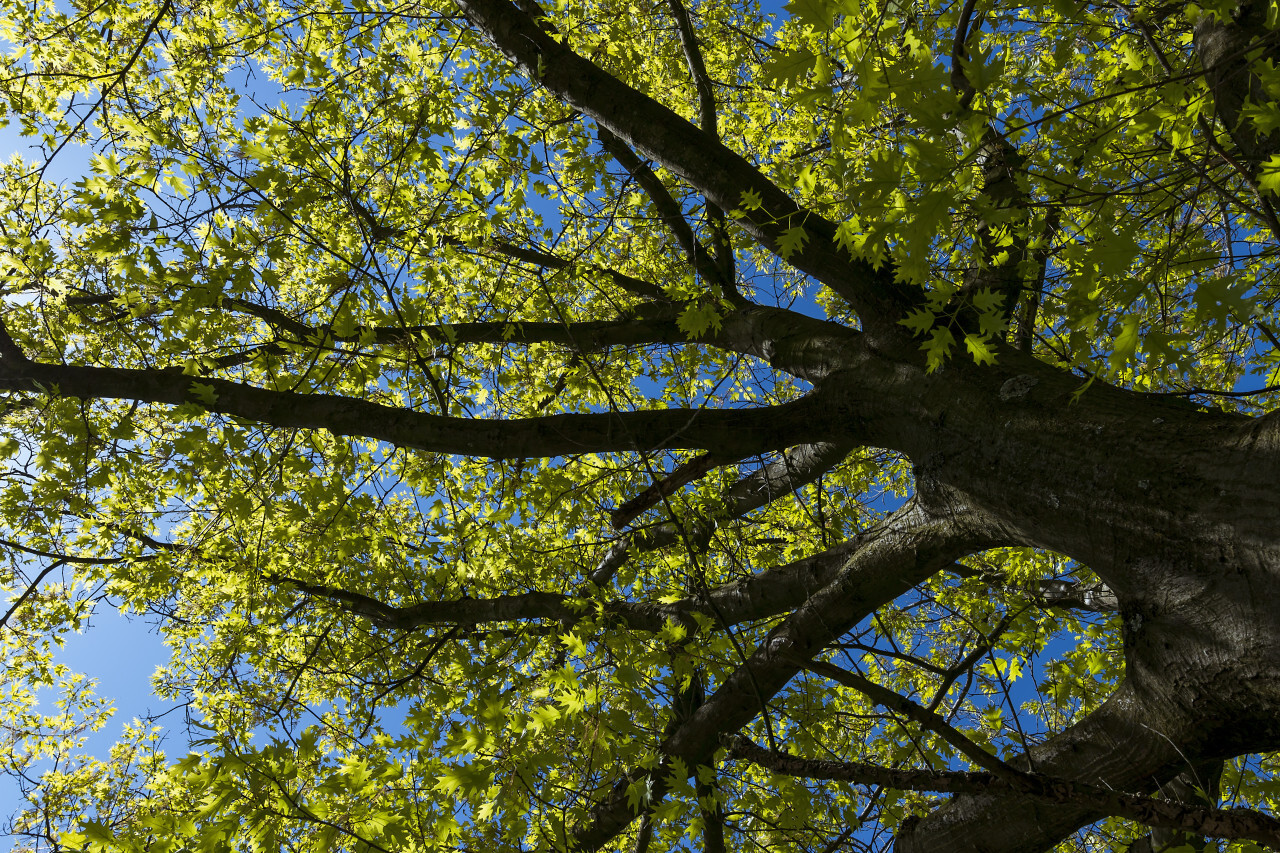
x,y
30,590
916,713
9,349
1073,595
960,54
967,662
1218,823
742,432
789,341
683,475
697,68
1123,746
760,596
544,260
708,121
722,175
658,328
67,558
910,546
798,467
1227,47
1031,305
1001,165
668,209
463,611
1200,785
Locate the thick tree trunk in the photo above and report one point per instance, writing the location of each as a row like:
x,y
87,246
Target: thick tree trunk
x,y
1173,507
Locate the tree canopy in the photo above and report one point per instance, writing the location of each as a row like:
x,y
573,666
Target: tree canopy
x,y
656,425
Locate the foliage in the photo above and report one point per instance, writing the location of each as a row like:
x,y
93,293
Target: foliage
x,y
322,203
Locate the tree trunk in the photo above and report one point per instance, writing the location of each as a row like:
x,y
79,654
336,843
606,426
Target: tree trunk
x,y
1171,506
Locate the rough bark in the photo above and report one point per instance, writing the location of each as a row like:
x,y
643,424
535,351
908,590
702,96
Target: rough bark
x,y
1227,48
1172,507
1180,811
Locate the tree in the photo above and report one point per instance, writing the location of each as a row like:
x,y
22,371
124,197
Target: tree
x,y
627,426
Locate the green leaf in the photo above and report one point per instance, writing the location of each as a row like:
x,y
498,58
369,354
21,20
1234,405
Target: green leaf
x,y
938,348
1269,175
792,240
204,393
1126,343
789,68
981,70
698,318
979,349
815,13
638,794
919,320
987,300
344,324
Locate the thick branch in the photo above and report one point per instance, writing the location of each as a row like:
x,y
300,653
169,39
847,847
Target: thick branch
x,y
463,611
803,346
526,607
797,467
926,718
1031,304
1199,786
960,54
760,596
683,475
1127,745
911,546
782,588
697,68
1075,596
1227,48
742,432
722,175
1218,823
585,336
